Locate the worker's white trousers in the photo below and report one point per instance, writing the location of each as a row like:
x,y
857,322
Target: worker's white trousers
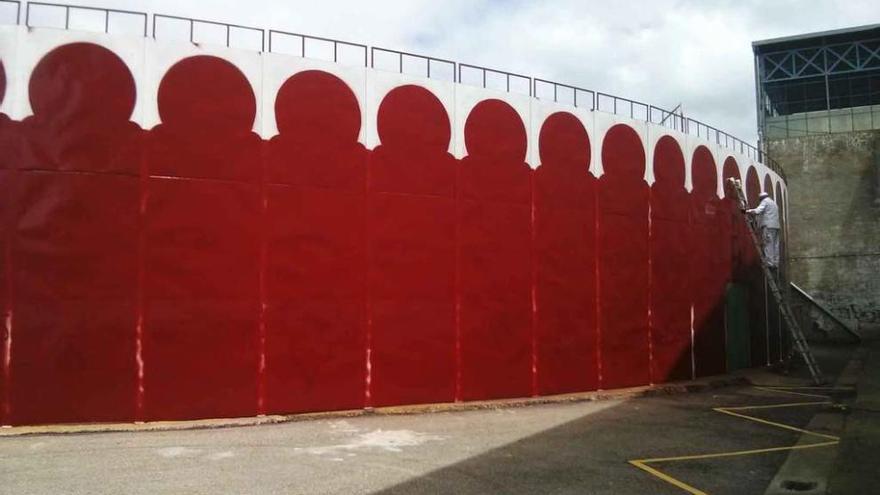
x,y
771,245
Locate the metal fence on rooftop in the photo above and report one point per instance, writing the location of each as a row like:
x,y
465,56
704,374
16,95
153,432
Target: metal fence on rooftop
x,y
71,12
403,62
11,8
193,23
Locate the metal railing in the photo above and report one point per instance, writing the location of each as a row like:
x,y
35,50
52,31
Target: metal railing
x,y
401,56
484,71
68,8
229,27
580,97
666,118
304,38
17,5
574,90
618,104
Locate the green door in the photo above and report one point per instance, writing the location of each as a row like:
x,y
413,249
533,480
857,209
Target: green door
x,y
736,324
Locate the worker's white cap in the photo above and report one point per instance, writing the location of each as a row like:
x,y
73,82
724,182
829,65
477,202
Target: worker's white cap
x,y
763,195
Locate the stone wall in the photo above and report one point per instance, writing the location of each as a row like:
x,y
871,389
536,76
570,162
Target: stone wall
x,y
835,219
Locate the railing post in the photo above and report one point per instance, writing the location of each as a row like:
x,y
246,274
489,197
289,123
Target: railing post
x,y
400,62
192,28
335,51
227,35
107,22
67,17
302,46
429,68
484,78
508,83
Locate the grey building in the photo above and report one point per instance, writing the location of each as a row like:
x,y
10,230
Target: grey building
x,y
818,99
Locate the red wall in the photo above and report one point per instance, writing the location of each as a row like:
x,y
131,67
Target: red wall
x,y
709,266
623,261
670,250
494,230
565,259
196,270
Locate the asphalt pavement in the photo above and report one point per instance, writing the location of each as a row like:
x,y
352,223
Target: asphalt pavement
x,y
581,447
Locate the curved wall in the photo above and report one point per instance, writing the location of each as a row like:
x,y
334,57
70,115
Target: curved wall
x,y
195,232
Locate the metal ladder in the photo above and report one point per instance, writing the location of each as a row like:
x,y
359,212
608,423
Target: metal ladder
x,y
800,342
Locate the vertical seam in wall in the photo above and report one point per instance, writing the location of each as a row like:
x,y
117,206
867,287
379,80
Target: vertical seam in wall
x,y
141,276
262,244
261,280
457,284
368,123
597,229
368,299
533,262
8,310
650,288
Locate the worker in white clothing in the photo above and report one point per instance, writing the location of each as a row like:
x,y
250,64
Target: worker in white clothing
x,y
768,220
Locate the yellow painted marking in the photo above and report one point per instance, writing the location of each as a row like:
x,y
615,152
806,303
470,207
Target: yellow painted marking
x,y
780,387
736,453
784,391
773,423
830,439
774,406
669,479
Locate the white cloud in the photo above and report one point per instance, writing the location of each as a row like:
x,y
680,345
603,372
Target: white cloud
x,y
663,52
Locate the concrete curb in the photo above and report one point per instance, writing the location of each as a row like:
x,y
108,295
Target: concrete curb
x,y
807,471
600,395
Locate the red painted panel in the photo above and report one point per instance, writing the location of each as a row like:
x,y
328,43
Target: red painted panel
x,y
5,288
768,185
201,287
494,225
8,147
733,221
565,258
75,298
207,107
411,228
708,266
75,250
670,288
82,96
752,187
623,260
201,299
316,249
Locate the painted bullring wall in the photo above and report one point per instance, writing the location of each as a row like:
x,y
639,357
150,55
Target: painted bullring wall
x,y
192,232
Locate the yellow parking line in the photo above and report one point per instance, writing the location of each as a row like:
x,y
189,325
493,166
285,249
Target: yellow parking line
x,y
665,477
790,392
774,406
831,439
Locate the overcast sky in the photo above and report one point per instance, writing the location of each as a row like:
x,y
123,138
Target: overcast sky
x,y
665,52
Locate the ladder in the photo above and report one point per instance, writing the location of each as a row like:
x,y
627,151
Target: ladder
x,y
800,342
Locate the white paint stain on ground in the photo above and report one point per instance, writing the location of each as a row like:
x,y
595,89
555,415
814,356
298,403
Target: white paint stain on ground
x,y
342,426
178,452
387,441
226,454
